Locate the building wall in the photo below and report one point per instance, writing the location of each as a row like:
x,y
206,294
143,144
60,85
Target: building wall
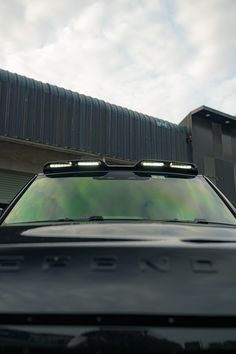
x,y
46,114
214,151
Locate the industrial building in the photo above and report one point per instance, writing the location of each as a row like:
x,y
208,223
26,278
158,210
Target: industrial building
x,y
41,122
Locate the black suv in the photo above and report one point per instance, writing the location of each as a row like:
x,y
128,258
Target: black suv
x,y
110,259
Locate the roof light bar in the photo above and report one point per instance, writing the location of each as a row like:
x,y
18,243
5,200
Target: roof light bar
x,y
89,163
60,164
97,166
181,166
152,164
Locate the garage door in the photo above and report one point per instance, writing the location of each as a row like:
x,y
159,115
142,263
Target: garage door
x,y
10,183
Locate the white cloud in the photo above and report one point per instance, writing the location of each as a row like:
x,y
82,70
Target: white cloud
x,y
163,58
210,29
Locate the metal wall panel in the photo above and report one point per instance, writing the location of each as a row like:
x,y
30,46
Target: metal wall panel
x,y
214,151
226,180
43,113
10,184
217,138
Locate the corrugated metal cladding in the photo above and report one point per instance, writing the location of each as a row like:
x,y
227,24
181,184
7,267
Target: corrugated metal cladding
x,y
216,154
10,183
31,110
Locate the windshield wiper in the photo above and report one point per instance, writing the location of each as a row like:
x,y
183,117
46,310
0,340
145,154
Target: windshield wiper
x,y
100,218
83,219
46,221
195,221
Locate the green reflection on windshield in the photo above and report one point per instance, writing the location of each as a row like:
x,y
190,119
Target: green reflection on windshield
x,y
51,198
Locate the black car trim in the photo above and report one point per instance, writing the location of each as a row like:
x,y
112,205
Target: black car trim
x,y
169,320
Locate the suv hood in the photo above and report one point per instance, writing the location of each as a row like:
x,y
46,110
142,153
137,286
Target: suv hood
x,y
117,232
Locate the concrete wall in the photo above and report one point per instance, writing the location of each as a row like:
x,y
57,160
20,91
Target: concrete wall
x,y
30,158
27,158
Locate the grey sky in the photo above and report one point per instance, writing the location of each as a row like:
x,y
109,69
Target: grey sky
x,y
159,57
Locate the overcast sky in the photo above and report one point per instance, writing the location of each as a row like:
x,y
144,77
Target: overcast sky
x,y
160,57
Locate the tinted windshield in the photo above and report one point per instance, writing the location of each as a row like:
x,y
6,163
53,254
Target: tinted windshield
x,y
156,198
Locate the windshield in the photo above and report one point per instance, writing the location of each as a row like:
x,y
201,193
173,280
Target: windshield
x,y
100,198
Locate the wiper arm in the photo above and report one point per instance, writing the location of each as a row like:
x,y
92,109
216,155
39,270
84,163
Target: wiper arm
x,y
45,221
90,218
95,218
196,221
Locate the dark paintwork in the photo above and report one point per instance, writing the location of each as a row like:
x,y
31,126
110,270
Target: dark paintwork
x,y
92,276
155,270
168,232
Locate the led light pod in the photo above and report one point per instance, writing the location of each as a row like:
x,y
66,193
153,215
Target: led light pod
x,y
181,166
89,163
60,164
152,164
